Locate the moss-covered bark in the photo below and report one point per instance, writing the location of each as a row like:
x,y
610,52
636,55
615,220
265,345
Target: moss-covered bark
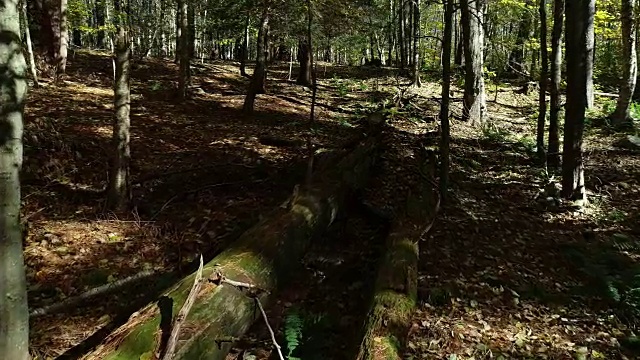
x,y
395,294
264,256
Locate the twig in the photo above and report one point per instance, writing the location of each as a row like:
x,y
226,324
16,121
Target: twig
x,y
273,336
164,206
182,315
221,279
100,290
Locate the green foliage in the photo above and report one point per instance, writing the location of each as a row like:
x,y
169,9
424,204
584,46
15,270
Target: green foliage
x,y
306,334
494,133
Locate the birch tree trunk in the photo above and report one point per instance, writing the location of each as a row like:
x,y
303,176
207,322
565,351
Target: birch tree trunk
x,y
14,312
27,35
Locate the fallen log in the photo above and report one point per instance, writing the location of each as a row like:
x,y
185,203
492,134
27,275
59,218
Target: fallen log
x,y
396,289
264,257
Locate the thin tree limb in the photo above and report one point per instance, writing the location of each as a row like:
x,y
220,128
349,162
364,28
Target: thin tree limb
x,y
100,290
182,315
273,336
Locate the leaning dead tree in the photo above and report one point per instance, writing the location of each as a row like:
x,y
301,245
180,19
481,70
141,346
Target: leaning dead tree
x,y
396,289
262,259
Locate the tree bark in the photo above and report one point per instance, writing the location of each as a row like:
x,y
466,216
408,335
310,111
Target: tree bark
x,y
401,34
459,45
61,66
475,106
621,116
264,256
544,69
517,56
14,312
416,43
183,80
304,57
27,35
578,41
396,289
553,160
444,106
119,192
245,48
258,79
191,28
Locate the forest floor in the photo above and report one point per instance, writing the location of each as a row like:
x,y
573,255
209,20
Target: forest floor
x,y
502,273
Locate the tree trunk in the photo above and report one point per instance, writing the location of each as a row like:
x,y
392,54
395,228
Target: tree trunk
x,y
621,116
544,69
304,57
459,45
183,80
553,161
264,256
14,312
396,289
191,28
27,35
578,41
475,106
416,43
119,192
245,48
401,34
178,32
61,65
258,80
517,56
444,106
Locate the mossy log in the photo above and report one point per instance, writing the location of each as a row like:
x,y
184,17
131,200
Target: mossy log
x,y
264,256
396,289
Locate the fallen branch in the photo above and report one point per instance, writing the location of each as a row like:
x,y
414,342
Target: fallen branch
x,y
273,336
100,290
182,315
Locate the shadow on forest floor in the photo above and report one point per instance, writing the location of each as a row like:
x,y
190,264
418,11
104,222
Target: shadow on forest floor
x,y
200,170
508,275
502,274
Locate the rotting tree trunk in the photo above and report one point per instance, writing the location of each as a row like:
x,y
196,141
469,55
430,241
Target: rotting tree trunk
x,y
553,160
396,289
544,69
264,256
259,77
475,107
14,313
621,116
